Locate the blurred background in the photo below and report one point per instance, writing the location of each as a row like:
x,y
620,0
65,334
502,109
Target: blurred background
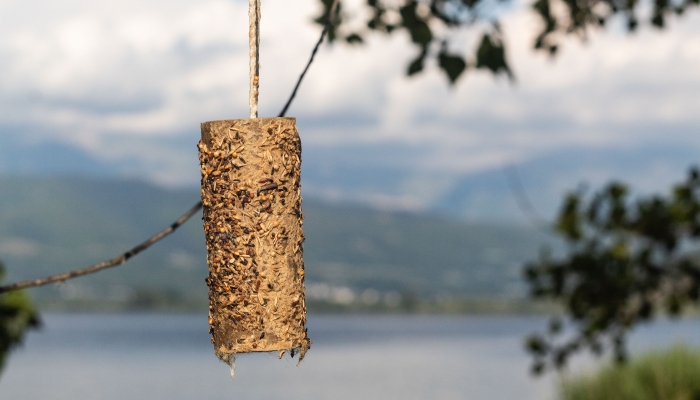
x,y
413,192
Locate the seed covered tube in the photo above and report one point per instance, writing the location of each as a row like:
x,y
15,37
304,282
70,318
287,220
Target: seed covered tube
x,y
253,227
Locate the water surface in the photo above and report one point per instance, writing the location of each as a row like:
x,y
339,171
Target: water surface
x,y
110,357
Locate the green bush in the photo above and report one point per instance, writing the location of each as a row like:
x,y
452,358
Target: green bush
x,y
672,374
16,316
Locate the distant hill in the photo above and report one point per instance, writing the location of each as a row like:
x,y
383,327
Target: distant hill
x,y
48,225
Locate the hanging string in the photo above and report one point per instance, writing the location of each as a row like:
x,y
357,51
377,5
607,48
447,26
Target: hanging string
x,y
254,43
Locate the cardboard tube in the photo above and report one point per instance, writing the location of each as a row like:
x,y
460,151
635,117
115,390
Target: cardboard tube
x,y
253,227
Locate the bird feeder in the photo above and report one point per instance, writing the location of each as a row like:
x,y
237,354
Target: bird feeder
x,y
253,227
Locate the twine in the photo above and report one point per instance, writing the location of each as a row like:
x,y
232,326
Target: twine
x,y
254,42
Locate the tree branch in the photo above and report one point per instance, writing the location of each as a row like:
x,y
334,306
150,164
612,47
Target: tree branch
x,y
329,22
116,261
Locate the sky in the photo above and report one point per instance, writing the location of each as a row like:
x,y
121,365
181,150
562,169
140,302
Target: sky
x,y
119,89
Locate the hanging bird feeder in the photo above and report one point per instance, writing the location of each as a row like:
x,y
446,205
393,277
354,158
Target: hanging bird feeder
x,y
253,226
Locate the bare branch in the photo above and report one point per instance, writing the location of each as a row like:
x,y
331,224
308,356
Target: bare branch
x,y
119,260
329,22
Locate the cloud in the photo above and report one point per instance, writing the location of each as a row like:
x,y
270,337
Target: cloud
x,y
129,82
134,72
18,247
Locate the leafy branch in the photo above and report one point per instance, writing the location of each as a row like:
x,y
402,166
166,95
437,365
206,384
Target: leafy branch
x,y
628,261
435,25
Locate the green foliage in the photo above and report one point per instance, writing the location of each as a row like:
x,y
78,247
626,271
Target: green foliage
x,y
418,64
432,24
453,65
17,315
415,25
628,260
582,16
659,375
491,55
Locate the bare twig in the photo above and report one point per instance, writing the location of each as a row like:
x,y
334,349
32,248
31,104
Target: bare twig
x,y
326,28
254,36
121,259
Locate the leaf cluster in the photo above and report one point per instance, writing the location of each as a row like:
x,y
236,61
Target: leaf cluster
x,y
434,25
628,261
17,315
579,16
431,26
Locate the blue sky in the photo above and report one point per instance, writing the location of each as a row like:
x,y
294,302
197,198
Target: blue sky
x,y
119,89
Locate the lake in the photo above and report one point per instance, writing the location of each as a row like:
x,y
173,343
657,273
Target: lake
x,y
110,357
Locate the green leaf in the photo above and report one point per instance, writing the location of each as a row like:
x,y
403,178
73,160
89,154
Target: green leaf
x,y
470,3
632,23
417,64
419,29
569,222
536,344
491,55
354,38
453,65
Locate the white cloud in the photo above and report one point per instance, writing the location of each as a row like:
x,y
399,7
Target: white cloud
x,y
18,247
133,79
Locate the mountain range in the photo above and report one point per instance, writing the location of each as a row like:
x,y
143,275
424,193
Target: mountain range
x,y
394,176
52,224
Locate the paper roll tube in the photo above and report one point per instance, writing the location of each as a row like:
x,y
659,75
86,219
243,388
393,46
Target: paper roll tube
x,y
253,226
